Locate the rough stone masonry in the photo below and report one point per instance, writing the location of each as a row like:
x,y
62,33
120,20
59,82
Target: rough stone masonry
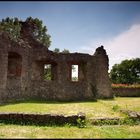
x,y
22,70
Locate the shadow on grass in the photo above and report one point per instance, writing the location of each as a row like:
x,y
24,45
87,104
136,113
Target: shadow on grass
x,y
45,102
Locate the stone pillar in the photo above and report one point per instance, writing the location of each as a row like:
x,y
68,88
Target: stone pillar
x,y
82,71
54,72
102,77
63,72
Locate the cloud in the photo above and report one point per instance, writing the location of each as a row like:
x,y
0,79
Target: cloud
x,y
124,46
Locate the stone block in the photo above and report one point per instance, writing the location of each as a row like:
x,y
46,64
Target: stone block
x,y
4,116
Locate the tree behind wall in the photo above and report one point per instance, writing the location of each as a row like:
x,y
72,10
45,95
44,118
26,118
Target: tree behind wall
x,y
40,31
12,26
127,72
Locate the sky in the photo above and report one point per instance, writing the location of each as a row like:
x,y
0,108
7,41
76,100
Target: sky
x,y
84,26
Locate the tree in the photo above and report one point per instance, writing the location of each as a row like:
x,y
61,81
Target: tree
x,y
40,31
127,72
65,51
12,26
56,50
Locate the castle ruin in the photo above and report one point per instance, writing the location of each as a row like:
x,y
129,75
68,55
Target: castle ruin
x,y
22,69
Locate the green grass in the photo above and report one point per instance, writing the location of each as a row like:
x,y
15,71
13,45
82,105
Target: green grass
x,y
101,108
17,131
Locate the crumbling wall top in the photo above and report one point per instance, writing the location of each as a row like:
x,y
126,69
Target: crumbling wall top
x,y
100,51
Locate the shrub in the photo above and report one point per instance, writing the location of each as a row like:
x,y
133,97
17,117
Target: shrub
x,y
115,107
81,123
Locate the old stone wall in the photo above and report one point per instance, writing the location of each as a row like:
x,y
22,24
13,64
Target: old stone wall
x,y
41,119
126,92
61,92
22,71
3,66
61,87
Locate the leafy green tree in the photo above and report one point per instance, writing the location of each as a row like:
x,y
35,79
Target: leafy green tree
x,y
56,50
65,51
127,72
40,31
12,27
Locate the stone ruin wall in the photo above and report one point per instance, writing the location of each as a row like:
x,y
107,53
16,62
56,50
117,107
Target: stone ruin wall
x,y
21,70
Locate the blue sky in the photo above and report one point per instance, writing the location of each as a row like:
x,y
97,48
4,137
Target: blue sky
x,y
84,26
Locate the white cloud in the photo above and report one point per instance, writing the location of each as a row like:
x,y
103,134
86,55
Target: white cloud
x,y
124,46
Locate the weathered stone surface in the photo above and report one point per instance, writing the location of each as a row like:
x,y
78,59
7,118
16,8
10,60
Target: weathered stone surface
x,y
22,69
81,115
138,115
126,92
41,119
131,114
4,116
102,121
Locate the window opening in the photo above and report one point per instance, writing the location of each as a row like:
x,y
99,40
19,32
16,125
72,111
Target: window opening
x,y
74,73
47,72
14,65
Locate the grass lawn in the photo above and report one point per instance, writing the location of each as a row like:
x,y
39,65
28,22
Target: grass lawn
x,y
17,131
101,108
